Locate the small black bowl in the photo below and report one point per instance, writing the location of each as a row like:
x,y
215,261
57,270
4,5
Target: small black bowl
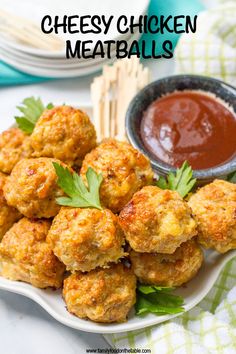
x,y
167,85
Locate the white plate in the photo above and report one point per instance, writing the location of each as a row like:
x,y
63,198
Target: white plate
x,y
36,10
47,62
53,303
6,44
54,71
193,292
6,55
57,61
14,56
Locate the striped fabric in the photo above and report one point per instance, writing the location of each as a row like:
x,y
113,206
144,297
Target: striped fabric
x,y
211,51
209,328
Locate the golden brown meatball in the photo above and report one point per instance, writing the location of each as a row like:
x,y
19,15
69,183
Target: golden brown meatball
x,y
32,188
25,255
214,208
168,269
84,239
124,169
102,295
14,145
157,220
8,214
65,133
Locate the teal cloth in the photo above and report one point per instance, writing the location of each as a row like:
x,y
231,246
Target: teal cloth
x,y
11,76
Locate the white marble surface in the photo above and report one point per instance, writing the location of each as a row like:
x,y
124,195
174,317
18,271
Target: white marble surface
x,y
25,328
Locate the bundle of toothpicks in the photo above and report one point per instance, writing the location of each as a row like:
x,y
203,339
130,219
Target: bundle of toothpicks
x,y
111,94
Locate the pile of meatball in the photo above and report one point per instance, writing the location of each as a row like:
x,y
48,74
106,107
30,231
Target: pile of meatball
x,y
142,234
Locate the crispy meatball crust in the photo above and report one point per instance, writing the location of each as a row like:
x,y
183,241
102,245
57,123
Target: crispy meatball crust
x,y
14,145
157,220
65,133
214,208
124,169
8,214
84,239
168,269
32,188
25,255
102,295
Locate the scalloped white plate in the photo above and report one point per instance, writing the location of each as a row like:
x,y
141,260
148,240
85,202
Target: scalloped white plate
x,y
193,292
53,69
34,11
58,63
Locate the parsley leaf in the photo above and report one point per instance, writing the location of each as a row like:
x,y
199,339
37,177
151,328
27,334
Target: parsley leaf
x,y
162,183
181,182
232,177
146,289
79,195
158,300
32,108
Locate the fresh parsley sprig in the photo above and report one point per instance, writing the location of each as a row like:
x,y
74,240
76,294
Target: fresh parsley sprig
x,y
182,181
79,196
158,300
32,108
232,177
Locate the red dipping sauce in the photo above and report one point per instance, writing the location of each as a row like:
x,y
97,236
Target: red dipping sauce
x,y
189,126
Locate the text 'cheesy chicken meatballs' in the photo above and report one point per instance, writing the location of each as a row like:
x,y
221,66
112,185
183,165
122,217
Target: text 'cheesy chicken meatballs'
x,y
32,188
214,208
102,295
25,255
8,214
14,145
157,220
124,169
168,269
84,239
64,133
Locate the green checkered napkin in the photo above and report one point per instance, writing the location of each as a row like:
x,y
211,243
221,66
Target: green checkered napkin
x,y
211,50
209,328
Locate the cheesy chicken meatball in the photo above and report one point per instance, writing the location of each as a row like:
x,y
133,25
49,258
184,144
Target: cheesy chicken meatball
x,y
102,295
84,239
8,214
214,208
25,255
157,220
14,145
124,170
32,188
168,269
64,133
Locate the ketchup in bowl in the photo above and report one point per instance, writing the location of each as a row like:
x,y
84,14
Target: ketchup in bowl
x,y
189,126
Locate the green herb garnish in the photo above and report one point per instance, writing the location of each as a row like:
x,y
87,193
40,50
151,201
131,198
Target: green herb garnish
x,y
79,196
32,108
182,181
158,300
232,177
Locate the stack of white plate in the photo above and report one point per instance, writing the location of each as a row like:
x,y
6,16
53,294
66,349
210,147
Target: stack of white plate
x,y
54,64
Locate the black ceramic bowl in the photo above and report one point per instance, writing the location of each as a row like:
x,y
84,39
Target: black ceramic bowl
x,y
167,85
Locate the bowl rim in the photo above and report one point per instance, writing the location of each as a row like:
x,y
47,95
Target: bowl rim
x,y
162,168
